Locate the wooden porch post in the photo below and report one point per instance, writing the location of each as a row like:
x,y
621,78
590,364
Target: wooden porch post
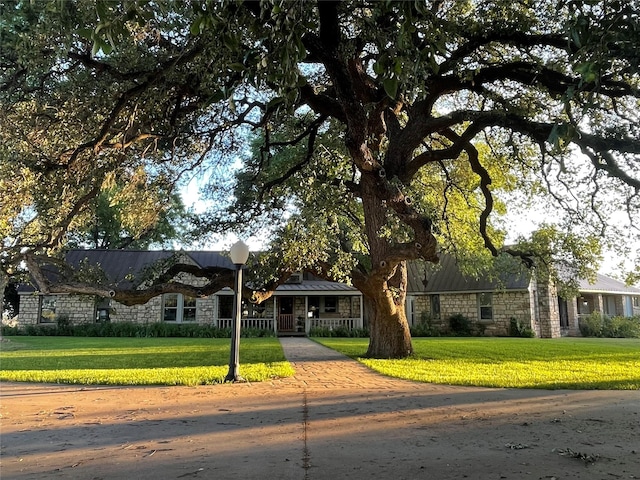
x,y
275,316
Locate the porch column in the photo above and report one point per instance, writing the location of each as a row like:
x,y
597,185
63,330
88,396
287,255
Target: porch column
x,y
361,311
572,314
548,309
307,320
627,307
275,316
599,306
215,310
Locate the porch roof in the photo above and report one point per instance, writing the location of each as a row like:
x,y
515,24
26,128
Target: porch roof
x,y
309,288
604,284
316,287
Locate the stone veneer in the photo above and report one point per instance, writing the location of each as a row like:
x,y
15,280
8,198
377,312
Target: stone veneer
x,y
82,309
506,305
547,310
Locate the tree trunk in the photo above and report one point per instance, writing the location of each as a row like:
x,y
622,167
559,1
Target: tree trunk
x,y
384,300
389,335
384,287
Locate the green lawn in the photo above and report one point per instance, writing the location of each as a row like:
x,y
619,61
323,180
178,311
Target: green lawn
x,y
573,363
137,361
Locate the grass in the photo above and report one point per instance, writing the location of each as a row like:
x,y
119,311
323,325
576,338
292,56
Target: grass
x,y
564,363
137,361
572,363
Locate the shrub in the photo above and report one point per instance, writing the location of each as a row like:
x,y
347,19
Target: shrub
x,y
425,327
320,332
339,332
460,325
621,327
591,326
63,325
130,329
518,329
599,325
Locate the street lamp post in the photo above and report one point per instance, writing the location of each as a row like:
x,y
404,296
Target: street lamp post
x,y
239,254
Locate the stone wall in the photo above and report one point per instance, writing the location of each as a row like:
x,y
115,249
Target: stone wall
x,y
78,309
82,309
548,312
29,309
506,305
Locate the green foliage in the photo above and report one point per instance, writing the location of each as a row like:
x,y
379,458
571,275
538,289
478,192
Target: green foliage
x,y
63,325
460,325
591,325
425,327
341,332
131,330
518,329
563,363
597,324
131,217
563,257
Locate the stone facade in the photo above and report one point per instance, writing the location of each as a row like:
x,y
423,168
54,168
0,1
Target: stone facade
x,y
548,314
84,309
78,309
505,306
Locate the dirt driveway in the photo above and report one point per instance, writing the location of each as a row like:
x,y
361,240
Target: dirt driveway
x,y
335,419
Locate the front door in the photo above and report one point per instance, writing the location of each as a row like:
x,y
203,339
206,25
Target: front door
x,y
285,315
564,313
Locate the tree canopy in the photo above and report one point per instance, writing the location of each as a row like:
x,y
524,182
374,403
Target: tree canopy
x,y
410,124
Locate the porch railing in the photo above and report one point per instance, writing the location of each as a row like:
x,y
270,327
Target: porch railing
x,y
286,322
333,323
258,323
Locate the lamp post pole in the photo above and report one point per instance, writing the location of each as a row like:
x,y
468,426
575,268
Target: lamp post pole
x,y
239,254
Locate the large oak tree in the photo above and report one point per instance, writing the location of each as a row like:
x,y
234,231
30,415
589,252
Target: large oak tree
x,y
394,112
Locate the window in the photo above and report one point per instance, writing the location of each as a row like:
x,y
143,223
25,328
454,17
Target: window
x,y
330,304
103,311
485,306
178,308
636,301
188,309
225,306
170,307
314,307
435,307
47,309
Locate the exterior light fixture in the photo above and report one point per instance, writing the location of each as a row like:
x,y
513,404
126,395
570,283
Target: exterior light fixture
x,y
239,254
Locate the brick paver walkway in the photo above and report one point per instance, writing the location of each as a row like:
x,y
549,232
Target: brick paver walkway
x,y
318,367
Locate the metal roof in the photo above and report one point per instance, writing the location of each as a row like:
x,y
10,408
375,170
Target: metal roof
x,y
604,284
319,286
446,277
125,268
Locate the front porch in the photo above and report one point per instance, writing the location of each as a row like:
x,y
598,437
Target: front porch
x,y
297,315
287,325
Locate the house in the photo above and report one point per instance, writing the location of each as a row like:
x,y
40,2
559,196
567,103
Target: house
x,y
436,294
305,301
302,303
